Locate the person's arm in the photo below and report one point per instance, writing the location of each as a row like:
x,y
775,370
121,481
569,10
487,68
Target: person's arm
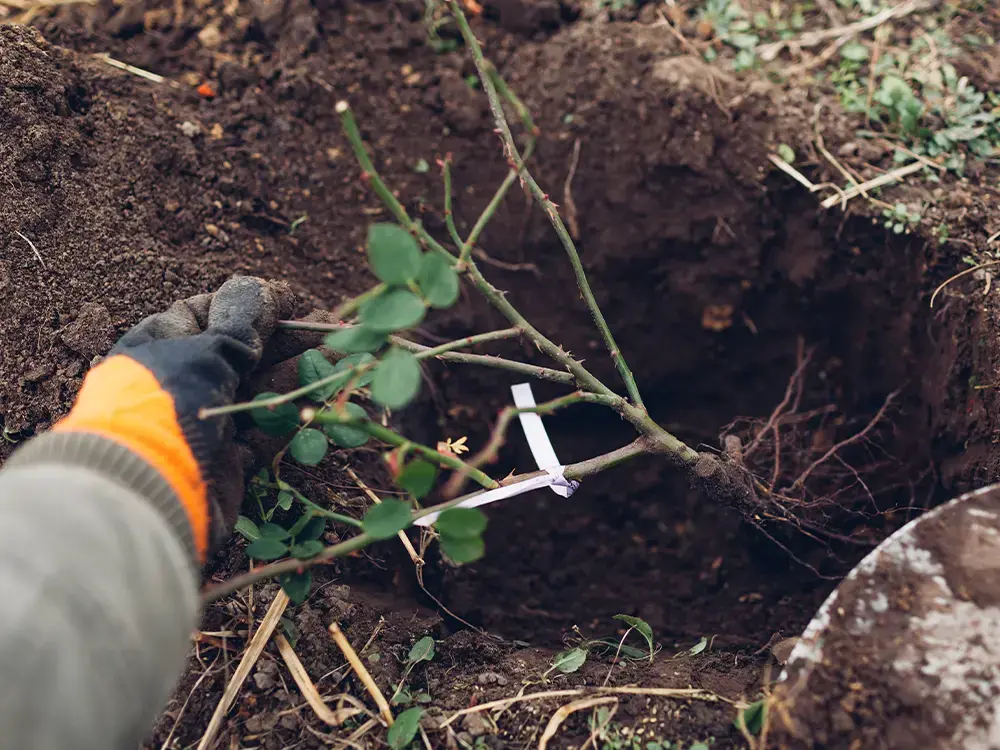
x,y
106,520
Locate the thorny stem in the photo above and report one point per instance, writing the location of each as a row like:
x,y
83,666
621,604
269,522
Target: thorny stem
x,y
579,470
510,149
369,172
499,433
339,378
521,368
390,437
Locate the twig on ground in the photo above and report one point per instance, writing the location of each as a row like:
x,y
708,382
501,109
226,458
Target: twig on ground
x,y
767,52
154,77
564,712
407,544
892,176
959,275
32,246
482,255
184,705
308,689
694,694
361,671
568,202
993,237
253,652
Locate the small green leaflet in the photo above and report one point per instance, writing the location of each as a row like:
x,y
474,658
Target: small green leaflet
x,y
308,447
313,528
404,729
417,478
313,366
393,311
752,717
461,523
273,531
285,500
275,420
698,647
355,340
247,529
463,550
438,281
296,585
353,360
305,550
569,661
642,626
385,520
267,549
345,435
397,379
393,253
423,650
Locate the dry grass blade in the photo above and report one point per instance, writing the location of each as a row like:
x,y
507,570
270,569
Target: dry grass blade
x,y
894,176
694,694
361,671
308,688
414,557
253,652
32,246
565,711
959,275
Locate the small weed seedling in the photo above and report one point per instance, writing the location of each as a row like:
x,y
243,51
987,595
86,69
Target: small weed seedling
x,y
573,658
423,650
900,219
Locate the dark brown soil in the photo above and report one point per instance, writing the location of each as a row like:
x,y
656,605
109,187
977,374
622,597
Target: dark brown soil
x,y
712,268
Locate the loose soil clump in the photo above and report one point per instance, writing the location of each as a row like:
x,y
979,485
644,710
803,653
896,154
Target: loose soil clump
x,y
726,287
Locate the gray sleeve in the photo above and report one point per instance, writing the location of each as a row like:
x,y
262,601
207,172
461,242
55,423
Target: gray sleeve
x,y
98,596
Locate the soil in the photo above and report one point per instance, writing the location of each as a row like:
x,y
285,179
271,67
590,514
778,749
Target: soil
x,y
716,271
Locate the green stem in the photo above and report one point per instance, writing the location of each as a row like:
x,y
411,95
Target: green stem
x,y
510,149
449,216
521,368
579,470
390,437
349,307
350,127
320,511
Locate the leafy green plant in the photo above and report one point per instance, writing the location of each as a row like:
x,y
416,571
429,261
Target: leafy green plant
x,y
370,367
404,729
900,218
574,657
752,717
422,650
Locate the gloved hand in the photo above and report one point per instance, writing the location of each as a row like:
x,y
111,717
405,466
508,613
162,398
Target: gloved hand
x,y
147,393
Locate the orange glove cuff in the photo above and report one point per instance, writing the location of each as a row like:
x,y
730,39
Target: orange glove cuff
x,y
122,401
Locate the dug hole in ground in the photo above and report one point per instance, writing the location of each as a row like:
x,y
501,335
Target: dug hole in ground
x,y
730,291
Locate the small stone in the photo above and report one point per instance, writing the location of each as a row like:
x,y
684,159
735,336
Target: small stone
x,y
216,132
290,722
210,37
263,681
261,723
491,678
475,724
171,206
189,129
212,230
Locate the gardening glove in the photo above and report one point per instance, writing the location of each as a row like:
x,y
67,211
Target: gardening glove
x,y
106,520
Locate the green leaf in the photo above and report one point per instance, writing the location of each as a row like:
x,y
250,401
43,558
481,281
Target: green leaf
x,y
423,650
397,379
438,281
305,550
393,311
291,632
303,521
345,435
752,717
698,746
274,531
355,340
308,447
247,529
417,477
285,500
354,360
462,550
313,366
313,528
854,51
404,729
786,153
642,626
385,520
570,661
393,253
297,585
267,549
698,647
461,523
275,420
